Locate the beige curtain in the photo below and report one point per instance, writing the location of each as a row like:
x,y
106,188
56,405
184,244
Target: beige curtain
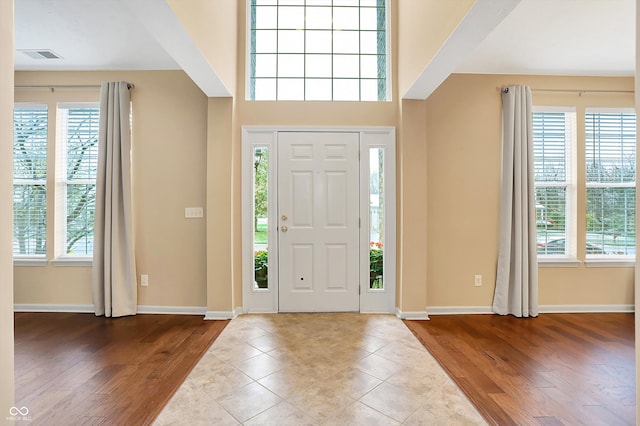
x,y
516,290
114,273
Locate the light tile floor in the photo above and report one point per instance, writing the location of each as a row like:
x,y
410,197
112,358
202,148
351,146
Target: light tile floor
x,y
318,369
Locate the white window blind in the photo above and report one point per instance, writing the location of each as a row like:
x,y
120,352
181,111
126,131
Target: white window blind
x,y
318,50
30,128
610,153
77,175
551,140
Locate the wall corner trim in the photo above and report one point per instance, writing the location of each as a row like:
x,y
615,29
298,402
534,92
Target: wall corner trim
x,y
412,315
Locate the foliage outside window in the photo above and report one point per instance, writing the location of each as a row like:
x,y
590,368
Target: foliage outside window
x,y
318,50
552,133
376,265
610,171
30,128
79,143
376,218
75,165
260,216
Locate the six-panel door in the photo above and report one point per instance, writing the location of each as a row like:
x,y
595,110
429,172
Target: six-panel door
x,y
318,221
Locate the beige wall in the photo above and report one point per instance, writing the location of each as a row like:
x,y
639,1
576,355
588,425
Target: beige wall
x,y
463,179
219,205
6,210
212,26
169,145
412,208
423,27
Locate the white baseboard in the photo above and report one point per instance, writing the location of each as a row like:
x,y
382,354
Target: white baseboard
x,y
172,310
223,315
90,309
458,310
36,307
411,315
543,309
584,309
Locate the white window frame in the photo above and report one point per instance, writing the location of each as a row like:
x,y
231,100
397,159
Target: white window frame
x,y
61,257
608,260
388,85
56,202
569,258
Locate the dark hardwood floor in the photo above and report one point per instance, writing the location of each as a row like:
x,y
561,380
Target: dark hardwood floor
x,y
551,370
79,369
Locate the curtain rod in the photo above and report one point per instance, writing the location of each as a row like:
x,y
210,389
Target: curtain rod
x,y
579,91
583,90
65,86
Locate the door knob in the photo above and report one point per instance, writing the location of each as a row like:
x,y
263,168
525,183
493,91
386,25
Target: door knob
x,y
284,228
284,217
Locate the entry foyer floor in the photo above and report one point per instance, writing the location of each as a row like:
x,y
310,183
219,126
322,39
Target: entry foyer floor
x,y
318,369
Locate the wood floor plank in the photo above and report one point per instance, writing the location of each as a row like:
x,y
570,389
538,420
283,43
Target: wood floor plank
x,y
551,370
79,369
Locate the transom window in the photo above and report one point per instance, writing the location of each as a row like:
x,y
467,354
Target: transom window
x,y
318,50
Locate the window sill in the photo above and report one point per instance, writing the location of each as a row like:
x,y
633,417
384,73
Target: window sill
x,y
30,261
72,261
614,262
558,262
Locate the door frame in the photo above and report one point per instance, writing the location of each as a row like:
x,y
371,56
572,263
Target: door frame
x,y
266,300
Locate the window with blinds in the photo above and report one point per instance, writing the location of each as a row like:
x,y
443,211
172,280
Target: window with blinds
x,y
318,50
78,148
610,151
552,133
30,128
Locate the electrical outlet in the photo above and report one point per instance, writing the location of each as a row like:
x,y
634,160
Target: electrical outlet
x,y
144,280
478,281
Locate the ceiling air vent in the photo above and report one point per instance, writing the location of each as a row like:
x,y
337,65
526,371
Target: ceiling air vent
x,y
40,53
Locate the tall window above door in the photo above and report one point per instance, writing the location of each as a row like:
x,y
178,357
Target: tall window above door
x,y
318,50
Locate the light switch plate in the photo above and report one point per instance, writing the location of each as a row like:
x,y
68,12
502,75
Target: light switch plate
x,y
193,212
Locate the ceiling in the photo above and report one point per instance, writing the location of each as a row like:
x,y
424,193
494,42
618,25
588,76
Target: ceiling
x,y
560,37
87,34
574,37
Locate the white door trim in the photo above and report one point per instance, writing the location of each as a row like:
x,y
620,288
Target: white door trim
x,y
266,301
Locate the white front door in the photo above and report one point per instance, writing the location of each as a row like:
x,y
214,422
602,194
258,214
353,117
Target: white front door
x,y
318,221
